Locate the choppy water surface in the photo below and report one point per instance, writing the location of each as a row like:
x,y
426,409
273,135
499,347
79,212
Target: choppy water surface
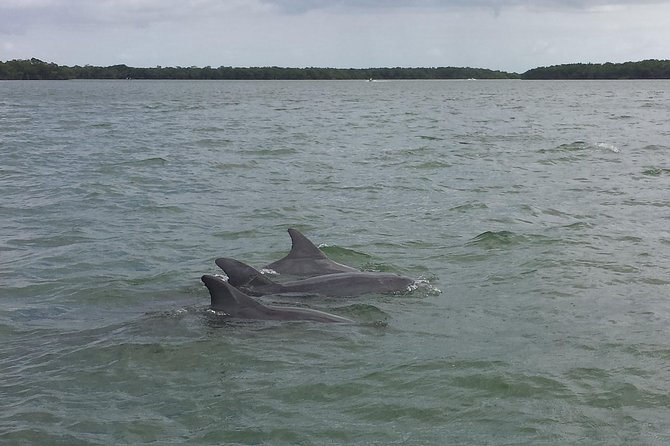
x,y
539,209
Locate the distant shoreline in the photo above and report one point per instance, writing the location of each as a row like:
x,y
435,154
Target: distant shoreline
x,y
35,69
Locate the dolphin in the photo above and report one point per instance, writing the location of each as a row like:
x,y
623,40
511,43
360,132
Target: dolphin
x,y
238,305
306,260
251,281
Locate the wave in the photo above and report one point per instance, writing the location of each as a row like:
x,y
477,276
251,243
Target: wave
x,y
656,171
504,239
576,150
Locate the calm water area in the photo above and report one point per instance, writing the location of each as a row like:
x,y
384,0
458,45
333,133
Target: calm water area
x,y
536,213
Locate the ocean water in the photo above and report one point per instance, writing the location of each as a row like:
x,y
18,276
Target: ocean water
x,y
537,214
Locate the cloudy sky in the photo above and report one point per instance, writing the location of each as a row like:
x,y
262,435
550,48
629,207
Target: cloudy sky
x,y
510,35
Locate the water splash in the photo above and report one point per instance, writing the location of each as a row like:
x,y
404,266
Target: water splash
x,y
425,286
607,146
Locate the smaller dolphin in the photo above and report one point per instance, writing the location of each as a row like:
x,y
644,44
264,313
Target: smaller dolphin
x,y
251,281
238,305
306,260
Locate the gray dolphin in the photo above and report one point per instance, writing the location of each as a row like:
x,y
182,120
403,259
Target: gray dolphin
x,y
251,281
238,305
306,260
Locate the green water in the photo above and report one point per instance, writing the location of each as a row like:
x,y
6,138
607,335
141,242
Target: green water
x,y
540,210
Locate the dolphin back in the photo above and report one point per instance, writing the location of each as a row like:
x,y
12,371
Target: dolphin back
x,y
242,275
236,304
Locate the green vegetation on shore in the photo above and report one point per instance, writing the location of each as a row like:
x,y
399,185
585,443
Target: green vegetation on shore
x,y
35,69
646,69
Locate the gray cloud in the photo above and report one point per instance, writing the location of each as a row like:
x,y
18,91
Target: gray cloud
x,y
301,6
512,35
16,16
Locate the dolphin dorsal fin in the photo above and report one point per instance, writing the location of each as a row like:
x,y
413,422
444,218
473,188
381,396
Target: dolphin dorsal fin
x,y
226,297
302,247
240,274
221,293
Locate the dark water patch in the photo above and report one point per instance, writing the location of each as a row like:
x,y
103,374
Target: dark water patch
x,y
580,225
211,129
252,164
102,125
281,109
35,435
507,278
575,151
506,239
189,107
633,239
469,206
327,183
363,314
146,162
156,279
362,187
53,241
507,385
606,266
236,235
650,281
260,214
417,244
618,395
656,171
279,152
645,351
467,257
382,412
656,148
213,142
408,152
165,209
125,359
154,106
458,364
429,165
9,175
636,202
568,147
559,213
31,314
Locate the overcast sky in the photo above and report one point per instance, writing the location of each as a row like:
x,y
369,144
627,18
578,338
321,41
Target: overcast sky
x,y
510,35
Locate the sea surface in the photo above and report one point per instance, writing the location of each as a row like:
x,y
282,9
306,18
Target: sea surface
x,y
536,215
